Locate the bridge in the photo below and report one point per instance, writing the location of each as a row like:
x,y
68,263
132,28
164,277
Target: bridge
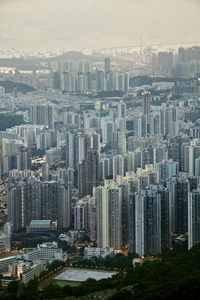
x,y
131,49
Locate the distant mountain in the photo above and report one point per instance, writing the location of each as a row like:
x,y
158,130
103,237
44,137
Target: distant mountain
x,y
140,80
21,63
35,63
72,55
21,87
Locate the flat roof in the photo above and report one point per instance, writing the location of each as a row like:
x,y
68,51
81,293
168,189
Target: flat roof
x,y
38,222
7,258
82,275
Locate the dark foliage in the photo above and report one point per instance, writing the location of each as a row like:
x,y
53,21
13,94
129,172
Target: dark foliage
x,y
8,121
175,276
21,87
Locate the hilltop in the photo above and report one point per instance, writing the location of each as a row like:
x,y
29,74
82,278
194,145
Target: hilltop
x,y
21,87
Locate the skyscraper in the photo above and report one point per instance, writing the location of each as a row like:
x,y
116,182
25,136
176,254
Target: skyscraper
x,y
166,215
119,165
191,152
119,143
167,168
82,188
107,64
29,199
146,100
180,188
107,130
80,216
95,140
145,222
100,81
109,215
193,218
45,172
56,80
92,170
42,115
14,207
71,150
197,166
126,82
121,109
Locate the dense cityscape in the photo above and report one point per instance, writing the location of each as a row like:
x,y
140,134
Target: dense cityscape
x,y
100,173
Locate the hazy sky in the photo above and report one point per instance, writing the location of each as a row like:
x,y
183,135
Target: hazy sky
x,y
89,24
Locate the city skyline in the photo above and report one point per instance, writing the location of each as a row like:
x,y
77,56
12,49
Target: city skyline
x,y
99,149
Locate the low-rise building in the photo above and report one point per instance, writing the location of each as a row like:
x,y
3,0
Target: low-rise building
x,y
22,267
50,251
5,262
41,226
137,262
90,252
31,255
33,271
4,242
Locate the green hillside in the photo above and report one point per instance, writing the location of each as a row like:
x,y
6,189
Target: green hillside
x,y
174,276
8,121
21,87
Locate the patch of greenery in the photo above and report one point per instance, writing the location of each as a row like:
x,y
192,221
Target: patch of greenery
x,y
62,284
31,240
174,275
21,87
8,121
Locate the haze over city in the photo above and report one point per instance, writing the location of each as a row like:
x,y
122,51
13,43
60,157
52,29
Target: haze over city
x,y
34,25
99,149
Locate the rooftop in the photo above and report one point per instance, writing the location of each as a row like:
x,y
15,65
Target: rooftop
x,y
38,222
7,258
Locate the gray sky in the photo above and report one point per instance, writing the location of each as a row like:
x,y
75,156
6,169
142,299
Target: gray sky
x,y
89,24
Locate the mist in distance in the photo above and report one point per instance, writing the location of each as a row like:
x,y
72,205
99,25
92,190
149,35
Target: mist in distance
x,y
36,25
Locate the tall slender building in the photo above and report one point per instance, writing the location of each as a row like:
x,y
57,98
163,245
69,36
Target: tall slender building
x,y
56,80
167,168
145,222
107,130
71,150
14,206
45,172
42,115
92,170
119,165
126,82
109,215
107,64
80,216
82,188
146,100
166,217
121,109
193,218
197,166
96,142
119,143
179,188
125,186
